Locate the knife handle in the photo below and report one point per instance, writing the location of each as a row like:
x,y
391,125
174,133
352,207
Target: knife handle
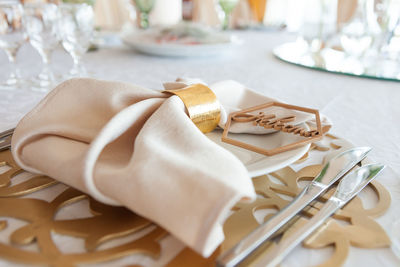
x,y
266,230
279,252
6,133
5,143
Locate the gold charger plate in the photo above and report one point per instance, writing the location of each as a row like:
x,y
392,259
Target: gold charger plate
x,y
33,209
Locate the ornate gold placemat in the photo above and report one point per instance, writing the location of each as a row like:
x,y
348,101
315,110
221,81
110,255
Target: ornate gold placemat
x,y
38,219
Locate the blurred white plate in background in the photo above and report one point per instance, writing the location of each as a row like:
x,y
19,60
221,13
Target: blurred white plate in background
x,y
182,40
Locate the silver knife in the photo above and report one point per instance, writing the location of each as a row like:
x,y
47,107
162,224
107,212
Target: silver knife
x,y
331,172
7,133
5,139
5,143
349,187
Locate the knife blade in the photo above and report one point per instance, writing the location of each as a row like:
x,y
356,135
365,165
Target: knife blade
x,y
349,187
331,172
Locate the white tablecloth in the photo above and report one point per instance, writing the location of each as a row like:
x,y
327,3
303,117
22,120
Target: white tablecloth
x,y
364,111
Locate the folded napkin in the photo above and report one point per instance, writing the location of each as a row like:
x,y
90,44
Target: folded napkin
x,y
131,146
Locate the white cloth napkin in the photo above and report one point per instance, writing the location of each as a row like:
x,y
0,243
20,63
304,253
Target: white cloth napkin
x,y
131,146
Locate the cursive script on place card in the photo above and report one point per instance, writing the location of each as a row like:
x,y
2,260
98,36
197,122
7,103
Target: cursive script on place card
x,y
269,121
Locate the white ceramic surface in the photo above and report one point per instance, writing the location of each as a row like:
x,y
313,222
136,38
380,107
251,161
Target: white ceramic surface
x,y
141,42
258,164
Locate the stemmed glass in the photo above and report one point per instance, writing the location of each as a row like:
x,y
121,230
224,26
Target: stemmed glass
x,y
144,7
75,28
387,14
12,36
227,7
356,38
129,5
40,21
319,24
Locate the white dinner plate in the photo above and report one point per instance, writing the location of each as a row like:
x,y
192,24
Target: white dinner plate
x,y
144,42
258,164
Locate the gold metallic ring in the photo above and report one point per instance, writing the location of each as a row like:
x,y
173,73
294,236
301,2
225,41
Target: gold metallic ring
x,y
202,105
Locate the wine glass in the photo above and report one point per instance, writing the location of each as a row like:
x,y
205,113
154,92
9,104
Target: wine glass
x,y
129,24
227,7
319,22
356,38
387,13
144,7
75,28
40,20
12,36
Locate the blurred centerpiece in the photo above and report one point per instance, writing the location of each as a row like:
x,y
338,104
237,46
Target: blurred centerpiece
x,y
356,37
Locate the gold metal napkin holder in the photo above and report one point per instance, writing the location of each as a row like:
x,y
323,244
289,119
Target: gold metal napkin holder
x,y
269,121
202,105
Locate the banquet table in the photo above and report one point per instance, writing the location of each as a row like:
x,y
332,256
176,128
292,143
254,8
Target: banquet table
x,y
364,111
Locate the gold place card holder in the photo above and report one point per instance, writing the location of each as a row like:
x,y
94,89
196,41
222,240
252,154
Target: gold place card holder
x,y
270,121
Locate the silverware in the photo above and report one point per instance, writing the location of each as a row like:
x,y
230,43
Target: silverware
x,y
348,188
7,133
331,172
5,139
5,143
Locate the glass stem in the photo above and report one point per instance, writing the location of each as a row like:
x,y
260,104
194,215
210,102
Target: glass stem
x,y
144,20
78,69
46,73
225,24
14,74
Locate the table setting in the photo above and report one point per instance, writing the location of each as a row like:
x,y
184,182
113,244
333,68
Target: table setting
x,y
199,133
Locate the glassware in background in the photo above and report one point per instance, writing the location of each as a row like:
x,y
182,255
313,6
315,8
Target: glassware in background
x,y
227,7
75,28
258,9
132,16
365,41
319,23
12,36
144,7
393,46
356,35
387,16
40,21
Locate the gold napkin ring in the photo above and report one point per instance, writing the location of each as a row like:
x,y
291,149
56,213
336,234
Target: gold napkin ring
x,y
202,105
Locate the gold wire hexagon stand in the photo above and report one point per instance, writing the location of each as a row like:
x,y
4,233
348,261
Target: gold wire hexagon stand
x,y
274,151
